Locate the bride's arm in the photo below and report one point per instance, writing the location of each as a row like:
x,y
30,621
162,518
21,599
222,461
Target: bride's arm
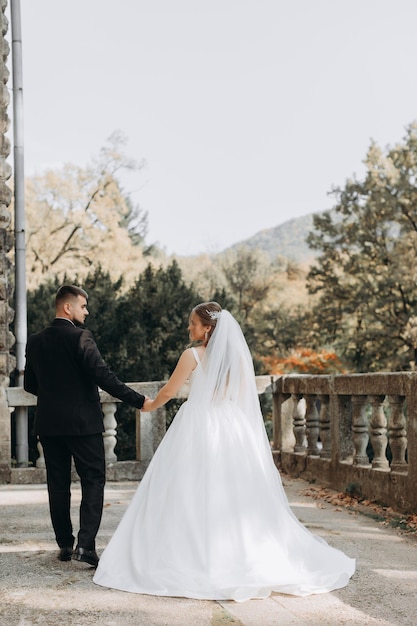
x,y
181,373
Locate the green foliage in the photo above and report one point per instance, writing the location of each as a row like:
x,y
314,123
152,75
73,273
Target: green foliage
x,y
248,277
152,319
365,275
41,305
103,296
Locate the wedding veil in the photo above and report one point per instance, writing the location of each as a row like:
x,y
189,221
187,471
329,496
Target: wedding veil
x,y
226,372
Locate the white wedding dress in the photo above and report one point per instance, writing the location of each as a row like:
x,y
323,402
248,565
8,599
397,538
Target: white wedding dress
x,y
210,518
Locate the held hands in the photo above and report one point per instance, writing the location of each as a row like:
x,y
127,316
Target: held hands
x,y
147,405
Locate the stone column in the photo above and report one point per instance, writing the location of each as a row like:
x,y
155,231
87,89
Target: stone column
x,y
7,362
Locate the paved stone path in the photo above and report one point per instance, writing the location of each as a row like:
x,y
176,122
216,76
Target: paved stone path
x,y
35,588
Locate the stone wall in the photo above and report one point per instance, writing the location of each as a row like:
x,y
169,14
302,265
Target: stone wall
x,y
7,363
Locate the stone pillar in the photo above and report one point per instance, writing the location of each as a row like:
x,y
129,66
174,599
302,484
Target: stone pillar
x,y
150,427
324,421
299,423
110,431
6,243
379,433
397,431
360,430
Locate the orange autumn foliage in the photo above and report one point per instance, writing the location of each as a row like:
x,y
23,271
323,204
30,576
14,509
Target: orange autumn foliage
x,y
304,361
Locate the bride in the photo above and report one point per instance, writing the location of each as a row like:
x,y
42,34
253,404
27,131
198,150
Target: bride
x,y
210,518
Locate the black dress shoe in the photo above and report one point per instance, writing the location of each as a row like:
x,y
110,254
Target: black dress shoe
x,y
86,556
65,554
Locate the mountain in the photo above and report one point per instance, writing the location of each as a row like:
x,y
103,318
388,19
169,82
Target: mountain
x,y
286,240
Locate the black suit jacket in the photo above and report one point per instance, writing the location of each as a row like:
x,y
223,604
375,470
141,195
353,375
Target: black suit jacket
x,y
64,368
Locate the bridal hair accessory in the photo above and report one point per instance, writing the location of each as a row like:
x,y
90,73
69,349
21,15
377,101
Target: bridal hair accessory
x,y
214,315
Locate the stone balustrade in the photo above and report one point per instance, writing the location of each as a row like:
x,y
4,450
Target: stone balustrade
x,y
150,429
354,433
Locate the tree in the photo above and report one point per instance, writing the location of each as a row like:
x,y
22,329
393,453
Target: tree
x,y
365,276
104,294
153,321
248,278
41,305
77,216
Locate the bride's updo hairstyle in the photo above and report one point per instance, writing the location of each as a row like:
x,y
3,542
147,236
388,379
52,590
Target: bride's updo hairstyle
x,y
209,313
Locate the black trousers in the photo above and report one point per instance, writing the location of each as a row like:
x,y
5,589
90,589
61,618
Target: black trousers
x,y
88,454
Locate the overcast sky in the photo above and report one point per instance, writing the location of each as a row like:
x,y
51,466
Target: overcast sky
x,y
247,112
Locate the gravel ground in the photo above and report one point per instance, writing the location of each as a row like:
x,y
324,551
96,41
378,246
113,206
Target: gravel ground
x,y
36,588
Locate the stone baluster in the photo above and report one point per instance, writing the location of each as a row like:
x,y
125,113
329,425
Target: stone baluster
x,y
312,425
299,423
109,436
360,430
379,433
283,435
324,422
397,434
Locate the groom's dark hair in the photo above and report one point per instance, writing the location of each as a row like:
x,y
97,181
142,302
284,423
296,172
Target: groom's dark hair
x,y
69,292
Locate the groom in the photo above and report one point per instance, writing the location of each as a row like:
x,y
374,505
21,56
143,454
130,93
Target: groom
x,y
64,368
